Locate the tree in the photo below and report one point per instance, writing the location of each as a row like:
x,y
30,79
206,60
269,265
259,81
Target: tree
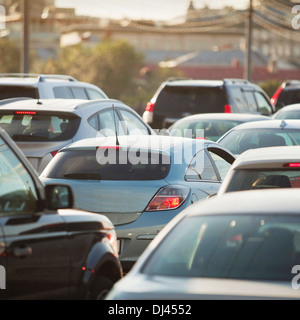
x,y
10,56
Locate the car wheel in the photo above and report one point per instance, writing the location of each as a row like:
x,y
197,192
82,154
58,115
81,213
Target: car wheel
x,y
100,288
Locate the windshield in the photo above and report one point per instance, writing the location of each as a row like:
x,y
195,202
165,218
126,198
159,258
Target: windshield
x,y
264,179
247,247
39,126
211,129
108,164
238,141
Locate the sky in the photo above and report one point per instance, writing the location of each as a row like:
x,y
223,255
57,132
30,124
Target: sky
x,y
142,9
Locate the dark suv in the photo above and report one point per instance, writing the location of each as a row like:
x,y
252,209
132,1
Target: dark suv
x,y
288,93
46,250
176,99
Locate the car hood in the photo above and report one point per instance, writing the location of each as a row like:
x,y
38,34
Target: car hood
x,y
143,287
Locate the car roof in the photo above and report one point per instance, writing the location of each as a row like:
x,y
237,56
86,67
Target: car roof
x,y
68,105
153,142
21,79
224,116
195,83
267,158
269,124
271,201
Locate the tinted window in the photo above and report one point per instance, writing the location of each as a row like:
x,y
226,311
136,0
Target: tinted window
x,y
238,141
263,105
62,93
79,93
17,190
288,97
7,92
39,126
264,179
234,247
239,99
108,164
249,95
177,100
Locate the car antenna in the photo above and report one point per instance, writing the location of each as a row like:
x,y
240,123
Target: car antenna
x,y
37,96
116,131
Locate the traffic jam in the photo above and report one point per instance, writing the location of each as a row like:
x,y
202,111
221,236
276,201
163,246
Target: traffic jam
x,y
100,203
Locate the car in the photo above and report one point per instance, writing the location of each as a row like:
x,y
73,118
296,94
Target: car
x,y
175,99
261,134
211,126
42,127
139,182
47,86
48,249
243,245
291,111
265,168
287,93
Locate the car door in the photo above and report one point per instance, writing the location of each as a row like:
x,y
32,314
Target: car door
x,y
36,246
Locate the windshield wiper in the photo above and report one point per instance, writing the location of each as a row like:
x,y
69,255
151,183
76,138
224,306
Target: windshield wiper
x,y
83,175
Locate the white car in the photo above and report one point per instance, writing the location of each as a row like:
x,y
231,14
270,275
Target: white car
x,y
265,168
47,86
42,127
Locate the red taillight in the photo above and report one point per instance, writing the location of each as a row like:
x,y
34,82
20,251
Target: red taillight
x,y
54,153
228,108
109,147
150,106
276,96
25,112
293,165
168,198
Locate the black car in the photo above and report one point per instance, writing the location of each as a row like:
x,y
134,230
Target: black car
x,y
288,93
176,99
48,251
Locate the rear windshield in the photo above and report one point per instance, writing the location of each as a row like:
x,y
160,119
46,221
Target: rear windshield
x,y
288,97
38,126
238,141
7,92
191,99
264,179
108,164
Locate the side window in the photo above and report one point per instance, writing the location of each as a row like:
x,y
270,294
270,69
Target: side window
x,y
107,123
62,93
222,165
93,94
134,125
79,93
17,190
201,168
249,95
239,99
93,121
263,105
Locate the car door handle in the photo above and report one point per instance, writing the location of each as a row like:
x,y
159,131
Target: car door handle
x,y
22,252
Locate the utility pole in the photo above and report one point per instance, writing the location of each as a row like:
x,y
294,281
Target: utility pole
x,y
249,26
24,56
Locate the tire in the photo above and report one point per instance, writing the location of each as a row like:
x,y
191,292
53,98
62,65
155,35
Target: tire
x,y
100,288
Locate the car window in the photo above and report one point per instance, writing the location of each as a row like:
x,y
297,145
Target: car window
x,y
79,93
108,121
249,95
201,168
94,121
249,247
17,190
93,94
263,105
62,93
39,126
7,92
134,125
222,165
239,99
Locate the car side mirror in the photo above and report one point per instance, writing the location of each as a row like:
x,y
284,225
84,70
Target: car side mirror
x,y
58,197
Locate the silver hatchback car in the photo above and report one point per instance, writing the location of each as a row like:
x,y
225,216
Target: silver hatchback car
x,y
42,127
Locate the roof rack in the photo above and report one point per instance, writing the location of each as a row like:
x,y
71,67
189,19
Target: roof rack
x,y
236,81
41,77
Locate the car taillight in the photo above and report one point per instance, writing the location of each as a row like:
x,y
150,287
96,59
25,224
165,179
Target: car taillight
x,y
54,153
228,108
150,106
168,198
292,165
23,113
276,96
112,238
